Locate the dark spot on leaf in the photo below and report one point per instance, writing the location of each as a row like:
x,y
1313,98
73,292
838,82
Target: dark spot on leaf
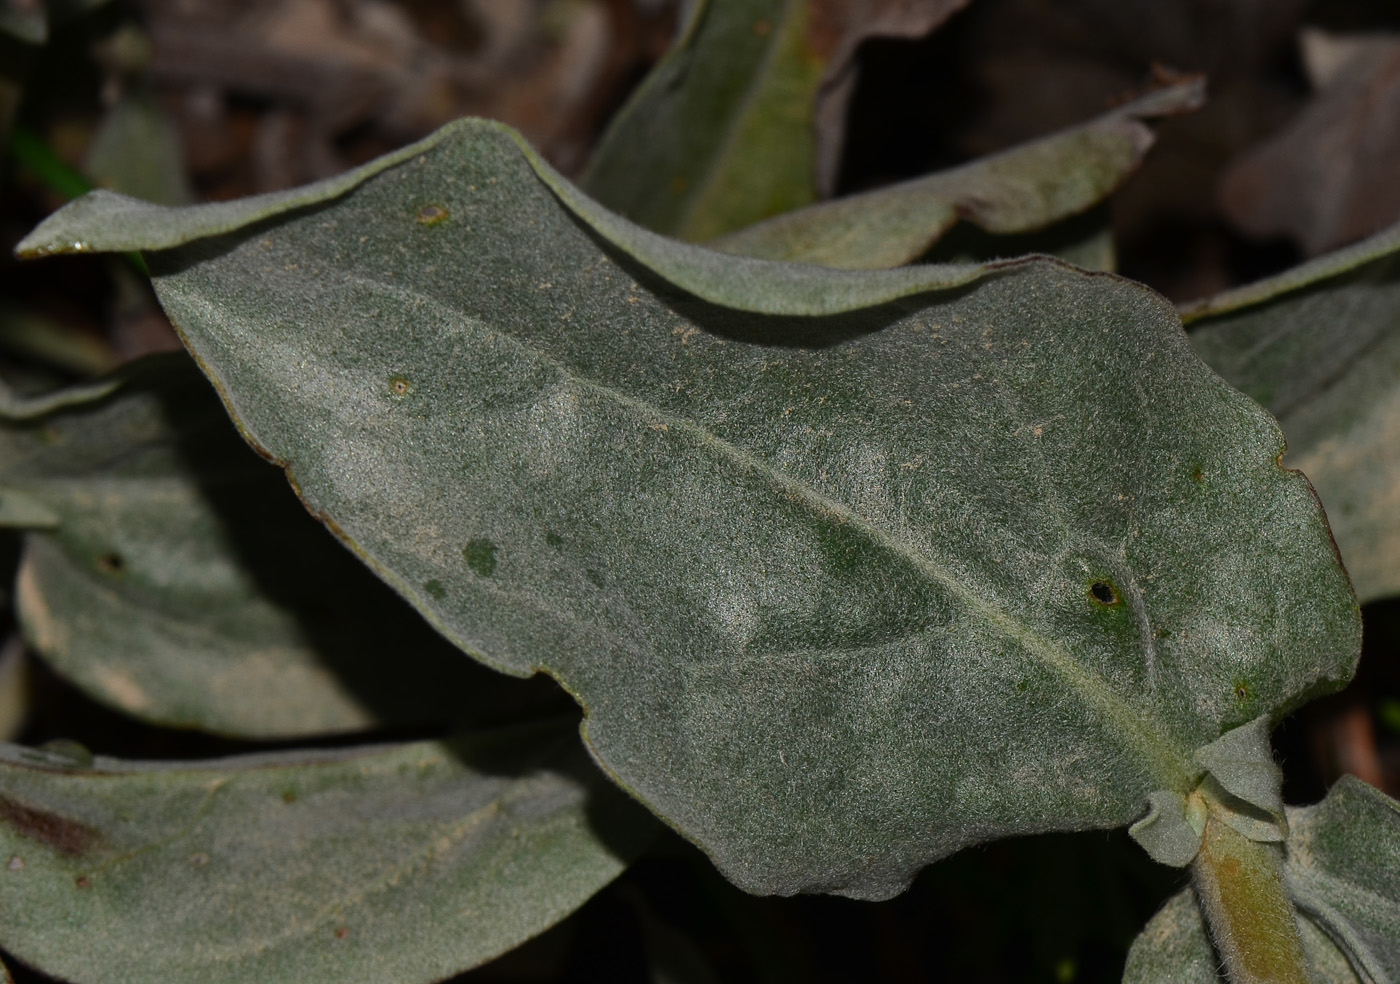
x,y
553,539
342,932
60,833
435,588
594,577
111,563
400,386
289,796
199,860
1022,687
1198,475
1104,593
433,214
83,881
481,557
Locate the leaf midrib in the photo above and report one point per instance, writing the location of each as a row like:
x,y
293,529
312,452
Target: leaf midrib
x,y
1148,736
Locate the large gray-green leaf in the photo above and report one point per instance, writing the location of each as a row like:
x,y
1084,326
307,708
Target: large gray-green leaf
x,y
1343,858
1017,191
1319,346
723,132
176,577
839,594
403,863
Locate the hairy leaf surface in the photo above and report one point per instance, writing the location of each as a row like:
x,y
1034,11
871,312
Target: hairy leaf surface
x,y
839,594
1319,346
1175,948
1017,191
404,863
724,131
170,573
1342,857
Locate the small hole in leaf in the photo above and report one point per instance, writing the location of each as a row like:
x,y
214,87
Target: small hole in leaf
x,y
1103,593
111,563
342,932
400,386
1241,691
83,881
432,214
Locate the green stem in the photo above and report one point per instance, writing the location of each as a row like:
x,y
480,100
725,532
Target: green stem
x,y
1240,885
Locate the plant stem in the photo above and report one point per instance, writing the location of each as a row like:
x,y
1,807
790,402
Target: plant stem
x,y
1240,885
